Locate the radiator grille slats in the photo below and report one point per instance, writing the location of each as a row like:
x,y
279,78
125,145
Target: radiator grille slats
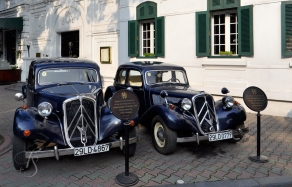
x,y
204,110
79,121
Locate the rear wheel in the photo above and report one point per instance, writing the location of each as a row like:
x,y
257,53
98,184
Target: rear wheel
x,y
132,147
164,139
20,145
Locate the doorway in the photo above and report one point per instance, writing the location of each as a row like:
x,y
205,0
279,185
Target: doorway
x,y
10,43
70,44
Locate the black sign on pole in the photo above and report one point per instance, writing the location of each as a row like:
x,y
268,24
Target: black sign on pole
x,y
256,100
124,104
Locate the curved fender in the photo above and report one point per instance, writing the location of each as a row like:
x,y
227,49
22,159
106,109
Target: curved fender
x,y
229,118
109,124
44,129
174,119
109,92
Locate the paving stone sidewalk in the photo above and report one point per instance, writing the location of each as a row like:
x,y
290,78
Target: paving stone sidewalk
x,y
192,163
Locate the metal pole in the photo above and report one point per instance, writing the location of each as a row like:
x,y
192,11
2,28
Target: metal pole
x,y
258,134
127,149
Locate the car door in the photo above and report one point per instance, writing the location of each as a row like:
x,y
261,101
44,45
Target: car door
x,y
132,78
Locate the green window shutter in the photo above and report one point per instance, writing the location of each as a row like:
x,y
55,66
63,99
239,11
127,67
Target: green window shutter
x,y
159,36
133,38
202,34
245,30
146,10
215,4
231,3
286,28
151,10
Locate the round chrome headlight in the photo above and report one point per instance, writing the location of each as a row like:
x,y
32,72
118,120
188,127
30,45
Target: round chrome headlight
x,y
186,104
45,109
228,101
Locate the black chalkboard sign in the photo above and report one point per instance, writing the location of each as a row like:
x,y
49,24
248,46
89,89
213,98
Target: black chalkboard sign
x,y
255,99
124,104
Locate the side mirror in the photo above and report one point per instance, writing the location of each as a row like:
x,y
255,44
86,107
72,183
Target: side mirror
x,y
18,96
163,94
224,90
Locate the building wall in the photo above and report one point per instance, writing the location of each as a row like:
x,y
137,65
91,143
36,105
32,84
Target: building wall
x,y
105,23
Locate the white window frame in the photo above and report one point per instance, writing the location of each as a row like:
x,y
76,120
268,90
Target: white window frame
x,y
152,37
227,30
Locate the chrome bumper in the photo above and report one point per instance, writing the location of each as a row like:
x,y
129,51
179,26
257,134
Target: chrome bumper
x,y
197,138
70,151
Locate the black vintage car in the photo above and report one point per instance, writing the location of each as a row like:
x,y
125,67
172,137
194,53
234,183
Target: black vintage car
x,y
175,112
64,113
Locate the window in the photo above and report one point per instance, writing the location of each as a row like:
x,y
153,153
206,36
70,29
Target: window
x,y
224,32
135,78
226,26
286,34
121,79
53,76
165,77
146,33
70,44
147,37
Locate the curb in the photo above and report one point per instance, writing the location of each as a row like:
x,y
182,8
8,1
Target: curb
x,y
280,181
6,145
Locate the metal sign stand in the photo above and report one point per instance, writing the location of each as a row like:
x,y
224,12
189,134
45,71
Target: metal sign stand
x,y
125,105
258,157
127,178
256,100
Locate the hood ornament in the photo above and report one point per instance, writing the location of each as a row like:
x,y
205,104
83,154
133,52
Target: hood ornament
x,y
83,136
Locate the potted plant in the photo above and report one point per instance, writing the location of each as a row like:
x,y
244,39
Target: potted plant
x,y
10,75
149,55
225,53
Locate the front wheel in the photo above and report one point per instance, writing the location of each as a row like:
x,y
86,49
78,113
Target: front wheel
x,y
163,138
20,145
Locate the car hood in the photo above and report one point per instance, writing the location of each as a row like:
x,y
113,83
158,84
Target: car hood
x,y
56,95
176,91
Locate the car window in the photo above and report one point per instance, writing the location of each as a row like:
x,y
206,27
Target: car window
x,y
161,77
135,78
61,75
121,79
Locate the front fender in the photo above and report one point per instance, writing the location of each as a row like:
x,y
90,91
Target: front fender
x,y
229,118
44,129
109,124
174,119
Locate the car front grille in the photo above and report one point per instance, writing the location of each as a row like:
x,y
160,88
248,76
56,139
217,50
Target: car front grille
x,y
204,110
80,123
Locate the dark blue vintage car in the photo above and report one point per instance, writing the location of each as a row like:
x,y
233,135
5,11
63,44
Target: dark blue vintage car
x,y
175,112
64,113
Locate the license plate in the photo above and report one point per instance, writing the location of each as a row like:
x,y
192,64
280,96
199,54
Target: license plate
x,y
91,149
220,136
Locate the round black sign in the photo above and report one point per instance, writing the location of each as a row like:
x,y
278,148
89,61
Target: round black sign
x,y
255,99
124,104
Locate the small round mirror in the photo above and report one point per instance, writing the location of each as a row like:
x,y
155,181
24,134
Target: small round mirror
x,y
224,90
163,94
18,96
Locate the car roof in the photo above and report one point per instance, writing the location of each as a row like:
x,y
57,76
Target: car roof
x,y
151,65
63,62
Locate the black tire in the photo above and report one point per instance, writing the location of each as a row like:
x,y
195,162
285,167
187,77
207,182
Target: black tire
x,y
235,139
163,138
20,145
132,147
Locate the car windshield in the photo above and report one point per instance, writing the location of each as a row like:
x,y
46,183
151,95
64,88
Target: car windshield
x,y
61,75
165,76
